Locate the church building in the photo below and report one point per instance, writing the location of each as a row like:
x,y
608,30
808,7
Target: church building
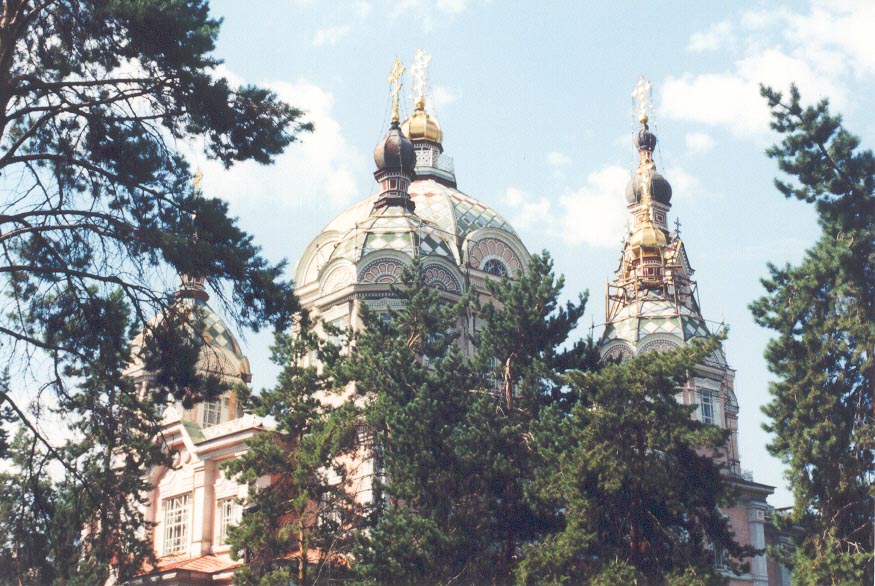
x,y
418,211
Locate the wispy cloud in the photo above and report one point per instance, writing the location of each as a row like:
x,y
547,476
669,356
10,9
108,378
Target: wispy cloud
x,y
528,210
557,159
819,50
717,36
699,142
330,35
442,96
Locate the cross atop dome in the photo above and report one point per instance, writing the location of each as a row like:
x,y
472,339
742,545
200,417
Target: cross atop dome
x,y
643,94
395,84
193,287
419,73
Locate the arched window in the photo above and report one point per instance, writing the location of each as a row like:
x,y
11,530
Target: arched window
x,y
495,267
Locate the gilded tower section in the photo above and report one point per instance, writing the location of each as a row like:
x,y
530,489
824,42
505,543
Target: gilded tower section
x,y
652,304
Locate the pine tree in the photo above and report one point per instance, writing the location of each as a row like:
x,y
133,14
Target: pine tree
x,y
416,389
94,95
634,478
296,528
521,347
823,313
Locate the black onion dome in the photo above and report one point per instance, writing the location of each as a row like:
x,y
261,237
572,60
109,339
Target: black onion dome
x,y
645,139
660,188
395,152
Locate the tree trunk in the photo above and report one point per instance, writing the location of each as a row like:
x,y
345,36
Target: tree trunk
x,y
302,560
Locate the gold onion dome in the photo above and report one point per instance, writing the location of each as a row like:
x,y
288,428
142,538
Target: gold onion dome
x,y
421,126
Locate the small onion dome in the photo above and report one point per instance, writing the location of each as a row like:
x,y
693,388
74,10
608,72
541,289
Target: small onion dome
x,y
644,139
660,188
395,152
421,126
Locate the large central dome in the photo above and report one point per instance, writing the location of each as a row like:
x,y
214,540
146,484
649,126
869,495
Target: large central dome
x,y
459,240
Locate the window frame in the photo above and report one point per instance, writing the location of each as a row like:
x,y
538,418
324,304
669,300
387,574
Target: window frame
x,y
177,518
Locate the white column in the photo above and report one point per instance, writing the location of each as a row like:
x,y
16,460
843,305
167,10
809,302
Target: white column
x,y
756,520
203,507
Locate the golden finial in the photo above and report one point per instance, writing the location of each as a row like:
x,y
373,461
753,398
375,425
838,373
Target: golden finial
x,y
419,73
197,180
395,87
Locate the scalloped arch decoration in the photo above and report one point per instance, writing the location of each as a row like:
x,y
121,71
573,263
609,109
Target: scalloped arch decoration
x,y
617,351
489,248
660,345
440,277
337,279
382,270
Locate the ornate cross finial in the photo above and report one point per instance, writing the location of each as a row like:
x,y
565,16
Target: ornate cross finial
x,y
677,227
419,73
644,97
395,87
197,180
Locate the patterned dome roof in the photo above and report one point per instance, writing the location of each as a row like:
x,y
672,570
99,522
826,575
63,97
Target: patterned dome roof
x,y
445,224
445,208
220,354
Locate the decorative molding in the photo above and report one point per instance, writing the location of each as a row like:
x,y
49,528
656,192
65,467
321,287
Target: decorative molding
x,y
338,278
658,345
382,270
489,248
442,278
617,351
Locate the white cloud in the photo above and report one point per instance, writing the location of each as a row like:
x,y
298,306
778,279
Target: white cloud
x,y
442,96
699,142
330,35
717,36
322,166
596,213
428,13
362,8
557,159
818,50
452,6
684,186
715,100
527,210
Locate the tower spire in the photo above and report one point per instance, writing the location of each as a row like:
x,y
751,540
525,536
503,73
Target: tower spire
x,y
394,155
192,287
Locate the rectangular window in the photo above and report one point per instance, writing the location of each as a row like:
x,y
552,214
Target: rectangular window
x,y
229,514
706,405
216,412
176,515
337,331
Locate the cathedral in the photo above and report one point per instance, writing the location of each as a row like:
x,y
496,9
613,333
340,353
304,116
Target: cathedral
x,y
418,211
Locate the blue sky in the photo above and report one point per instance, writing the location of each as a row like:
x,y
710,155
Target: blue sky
x,y
534,101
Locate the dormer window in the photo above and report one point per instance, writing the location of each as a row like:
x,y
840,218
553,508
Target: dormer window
x,y
216,412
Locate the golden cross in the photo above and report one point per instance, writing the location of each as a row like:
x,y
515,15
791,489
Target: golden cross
x,y
197,180
419,73
642,95
395,87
